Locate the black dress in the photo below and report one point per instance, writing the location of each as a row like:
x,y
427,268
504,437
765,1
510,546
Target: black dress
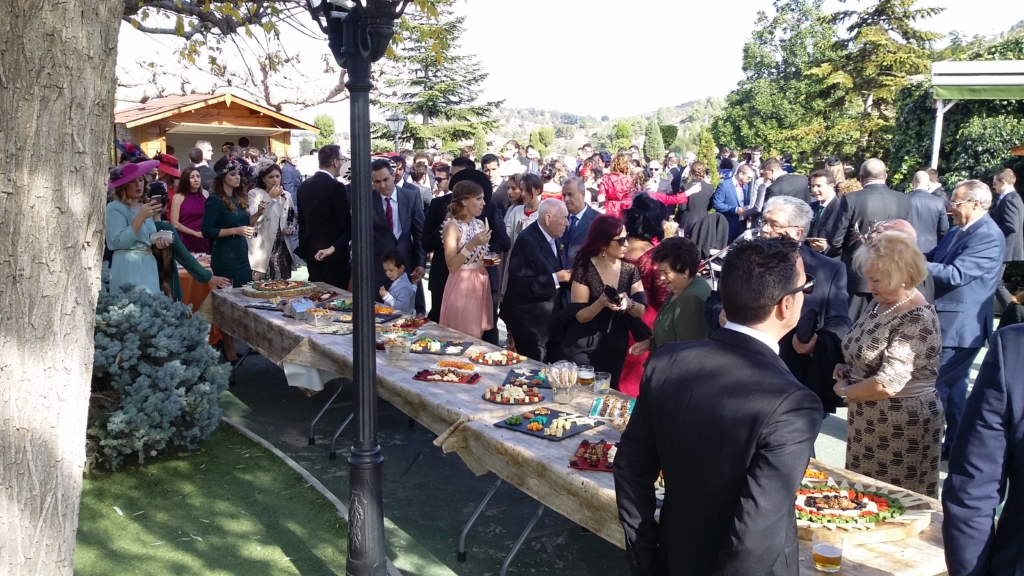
x,y
604,341
696,207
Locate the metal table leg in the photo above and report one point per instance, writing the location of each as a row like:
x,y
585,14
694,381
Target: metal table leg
x,y
479,510
334,439
329,404
231,377
529,532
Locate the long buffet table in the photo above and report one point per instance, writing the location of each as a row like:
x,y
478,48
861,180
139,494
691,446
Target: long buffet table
x,y
538,467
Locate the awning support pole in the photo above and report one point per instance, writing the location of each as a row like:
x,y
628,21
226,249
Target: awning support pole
x,y
940,111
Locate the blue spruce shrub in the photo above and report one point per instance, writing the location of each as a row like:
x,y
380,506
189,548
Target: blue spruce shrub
x,y
156,379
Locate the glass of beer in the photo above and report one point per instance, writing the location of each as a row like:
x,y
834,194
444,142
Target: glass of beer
x,y
827,549
490,259
585,375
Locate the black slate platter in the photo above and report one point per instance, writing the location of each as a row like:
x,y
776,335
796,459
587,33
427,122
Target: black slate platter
x,y
445,344
377,318
576,428
529,378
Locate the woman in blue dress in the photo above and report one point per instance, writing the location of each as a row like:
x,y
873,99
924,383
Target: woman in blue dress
x,y
227,223
128,230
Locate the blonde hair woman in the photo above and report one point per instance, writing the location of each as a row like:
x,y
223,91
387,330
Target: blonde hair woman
x,y
894,423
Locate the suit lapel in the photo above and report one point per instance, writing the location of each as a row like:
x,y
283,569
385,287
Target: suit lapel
x,y
544,247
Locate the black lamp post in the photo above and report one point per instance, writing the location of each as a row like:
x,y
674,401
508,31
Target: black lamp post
x,y
358,33
396,123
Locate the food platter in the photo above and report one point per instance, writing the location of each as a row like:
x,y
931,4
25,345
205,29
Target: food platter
x,y
594,456
346,317
533,378
411,322
335,329
456,365
345,305
497,358
447,376
862,513
513,394
439,347
279,289
548,423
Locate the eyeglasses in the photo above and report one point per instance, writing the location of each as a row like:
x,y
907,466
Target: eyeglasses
x,y
776,226
950,204
440,179
621,241
807,288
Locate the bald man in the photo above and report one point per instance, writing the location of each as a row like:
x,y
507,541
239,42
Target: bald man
x,y
859,212
927,213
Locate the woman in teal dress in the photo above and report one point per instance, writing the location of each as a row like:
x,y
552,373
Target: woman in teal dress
x,y
129,226
682,317
226,222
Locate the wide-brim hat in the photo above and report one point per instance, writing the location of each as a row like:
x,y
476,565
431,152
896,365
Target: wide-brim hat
x,y
121,175
473,175
168,165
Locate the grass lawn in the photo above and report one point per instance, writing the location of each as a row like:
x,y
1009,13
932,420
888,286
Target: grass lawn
x,y
229,508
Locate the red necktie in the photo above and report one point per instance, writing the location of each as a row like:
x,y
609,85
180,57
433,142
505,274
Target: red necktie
x,y
390,215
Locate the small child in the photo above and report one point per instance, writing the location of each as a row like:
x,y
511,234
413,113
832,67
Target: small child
x,y
402,296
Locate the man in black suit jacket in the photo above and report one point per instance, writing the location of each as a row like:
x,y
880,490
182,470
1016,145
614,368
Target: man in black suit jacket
x,y
858,212
812,350
784,184
325,222
432,242
402,230
825,209
1009,216
731,429
987,455
927,214
535,273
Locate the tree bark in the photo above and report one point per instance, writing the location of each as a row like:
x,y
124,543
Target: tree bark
x,y
56,125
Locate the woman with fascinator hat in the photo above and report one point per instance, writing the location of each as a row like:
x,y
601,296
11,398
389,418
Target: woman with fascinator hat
x,y
129,226
270,256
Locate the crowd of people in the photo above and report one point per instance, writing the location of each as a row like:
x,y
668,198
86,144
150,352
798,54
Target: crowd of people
x,y
745,312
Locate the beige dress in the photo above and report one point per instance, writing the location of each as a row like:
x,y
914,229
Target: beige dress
x,y
896,440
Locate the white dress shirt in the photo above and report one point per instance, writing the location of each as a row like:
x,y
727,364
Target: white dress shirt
x,y
551,242
740,194
753,334
396,227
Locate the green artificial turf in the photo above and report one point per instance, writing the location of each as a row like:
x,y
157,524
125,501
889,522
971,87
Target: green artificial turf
x,y
231,507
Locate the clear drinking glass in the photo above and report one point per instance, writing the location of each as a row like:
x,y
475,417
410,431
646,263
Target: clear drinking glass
x,y
827,549
602,382
585,375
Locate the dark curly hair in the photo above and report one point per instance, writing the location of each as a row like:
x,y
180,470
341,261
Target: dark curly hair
x,y
645,218
680,254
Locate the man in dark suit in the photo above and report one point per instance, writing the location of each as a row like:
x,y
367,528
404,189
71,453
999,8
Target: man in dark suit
x,y
432,242
934,186
966,265
731,429
1009,216
927,214
825,209
325,222
986,455
535,273
580,216
733,199
785,184
397,224
812,350
858,213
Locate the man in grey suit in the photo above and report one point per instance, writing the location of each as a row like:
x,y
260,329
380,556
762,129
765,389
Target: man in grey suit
x,y
397,224
927,214
1009,216
580,216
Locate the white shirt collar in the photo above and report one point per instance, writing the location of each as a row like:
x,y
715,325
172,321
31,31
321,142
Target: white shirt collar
x,y
753,334
545,233
579,216
829,201
971,223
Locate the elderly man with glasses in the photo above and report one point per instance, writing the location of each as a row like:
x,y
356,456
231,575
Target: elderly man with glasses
x,y
813,348
967,266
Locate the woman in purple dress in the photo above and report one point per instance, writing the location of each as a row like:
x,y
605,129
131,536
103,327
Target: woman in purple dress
x,y
187,211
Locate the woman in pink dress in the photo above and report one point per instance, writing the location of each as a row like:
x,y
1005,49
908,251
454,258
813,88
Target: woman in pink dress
x,y
466,305
645,230
187,208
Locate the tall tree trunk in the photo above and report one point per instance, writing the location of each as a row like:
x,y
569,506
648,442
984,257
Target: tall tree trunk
x,y
56,124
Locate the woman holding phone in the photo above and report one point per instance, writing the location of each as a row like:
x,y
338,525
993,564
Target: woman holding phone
x,y
129,229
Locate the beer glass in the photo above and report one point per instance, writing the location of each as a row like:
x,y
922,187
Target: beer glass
x,y
585,375
827,549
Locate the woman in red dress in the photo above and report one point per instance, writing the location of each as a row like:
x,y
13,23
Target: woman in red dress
x,y
644,229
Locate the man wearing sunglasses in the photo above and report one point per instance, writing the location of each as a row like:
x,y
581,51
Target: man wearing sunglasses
x,y
728,501
814,347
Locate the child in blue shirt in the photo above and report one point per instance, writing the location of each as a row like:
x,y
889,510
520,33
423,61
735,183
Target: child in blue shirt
x,y
402,295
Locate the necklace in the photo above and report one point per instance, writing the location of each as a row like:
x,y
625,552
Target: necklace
x,y
898,304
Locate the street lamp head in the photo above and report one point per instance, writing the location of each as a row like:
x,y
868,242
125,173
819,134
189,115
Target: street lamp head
x,y
374,25
396,123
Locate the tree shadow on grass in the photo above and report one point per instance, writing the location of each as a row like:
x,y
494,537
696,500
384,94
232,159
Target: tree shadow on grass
x,y
230,508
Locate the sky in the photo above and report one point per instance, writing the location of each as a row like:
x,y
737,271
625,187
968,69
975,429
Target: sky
x,y
595,57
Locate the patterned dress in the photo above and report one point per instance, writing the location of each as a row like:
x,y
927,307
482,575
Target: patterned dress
x,y
466,305
896,440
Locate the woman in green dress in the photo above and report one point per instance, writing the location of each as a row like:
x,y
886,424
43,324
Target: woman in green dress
x,y
226,222
681,318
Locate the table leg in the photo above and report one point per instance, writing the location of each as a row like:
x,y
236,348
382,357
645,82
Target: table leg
x,y
231,378
529,532
334,439
479,510
312,424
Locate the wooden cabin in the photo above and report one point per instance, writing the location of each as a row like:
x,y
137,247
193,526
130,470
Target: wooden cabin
x,y
180,121
1017,150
